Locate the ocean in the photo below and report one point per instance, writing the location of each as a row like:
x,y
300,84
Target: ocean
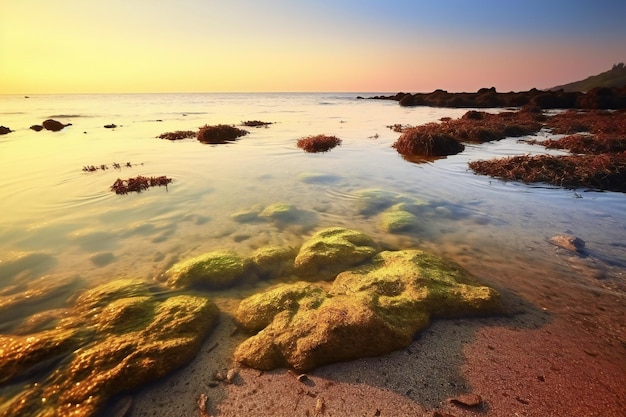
x,y
58,219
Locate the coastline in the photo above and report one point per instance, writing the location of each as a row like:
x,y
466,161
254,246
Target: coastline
x,y
555,355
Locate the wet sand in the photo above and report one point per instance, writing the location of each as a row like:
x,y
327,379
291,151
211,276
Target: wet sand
x,y
560,352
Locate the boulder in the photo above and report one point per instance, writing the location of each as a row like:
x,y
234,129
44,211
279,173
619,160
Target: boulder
x,y
398,219
331,251
115,338
368,311
213,270
273,261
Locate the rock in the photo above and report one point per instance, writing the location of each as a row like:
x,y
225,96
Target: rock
x,y
331,251
116,338
467,400
273,261
4,130
102,258
213,270
110,126
246,216
54,125
282,212
373,201
368,311
36,128
21,354
398,220
568,242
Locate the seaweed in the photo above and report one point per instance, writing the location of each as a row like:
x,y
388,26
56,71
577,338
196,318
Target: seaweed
x,y
318,143
219,133
177,135
139,184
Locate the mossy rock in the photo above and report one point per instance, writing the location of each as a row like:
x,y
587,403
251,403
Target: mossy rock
x,y
213,270
273,261
20,354
282,212
126,314
246,216
372,201
104,294
331,251
115,363
398,219
368,311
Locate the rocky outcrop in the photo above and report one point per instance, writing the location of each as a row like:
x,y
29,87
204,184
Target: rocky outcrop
x,y
367,311
114,338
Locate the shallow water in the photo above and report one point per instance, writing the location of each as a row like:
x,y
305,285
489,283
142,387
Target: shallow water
x,y
61,220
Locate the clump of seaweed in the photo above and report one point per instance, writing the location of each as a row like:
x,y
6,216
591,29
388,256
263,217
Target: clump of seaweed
x,y
219,133
427,140
177,135
440,139
255,123
139,184
318,143
398,127
5,130
604,171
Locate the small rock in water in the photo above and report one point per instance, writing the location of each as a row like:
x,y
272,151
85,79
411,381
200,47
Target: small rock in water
x,y
568,242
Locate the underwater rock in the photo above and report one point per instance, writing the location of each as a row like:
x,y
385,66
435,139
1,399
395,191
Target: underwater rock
x,y
568,242
22,300
398,220
273,261
282,212
372,201
318,178
368,311
212,270
331,251
54,125
116,338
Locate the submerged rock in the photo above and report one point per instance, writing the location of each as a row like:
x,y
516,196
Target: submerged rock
x,y
116,337
331,251
568,242
372,201
282,212
398,219
368,311
212,270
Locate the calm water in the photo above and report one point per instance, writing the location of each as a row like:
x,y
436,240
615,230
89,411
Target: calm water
x,y
69,221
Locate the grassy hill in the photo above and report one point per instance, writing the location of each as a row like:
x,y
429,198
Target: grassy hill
x,y
615,77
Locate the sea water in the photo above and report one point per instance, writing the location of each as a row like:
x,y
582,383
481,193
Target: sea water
x,y
56,219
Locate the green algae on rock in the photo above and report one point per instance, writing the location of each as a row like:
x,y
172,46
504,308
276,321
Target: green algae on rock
x,y
331,251
273,261
371,310
213,270
397,219
120,345
282,212
372,201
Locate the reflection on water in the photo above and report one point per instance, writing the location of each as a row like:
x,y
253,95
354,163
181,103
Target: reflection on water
x,y
64,224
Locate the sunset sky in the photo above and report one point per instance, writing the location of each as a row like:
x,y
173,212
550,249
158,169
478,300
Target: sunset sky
x,y
93,46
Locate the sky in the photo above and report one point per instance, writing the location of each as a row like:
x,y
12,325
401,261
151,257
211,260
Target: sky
x,y
153,46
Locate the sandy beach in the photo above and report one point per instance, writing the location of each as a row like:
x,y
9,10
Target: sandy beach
x,y
556,354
